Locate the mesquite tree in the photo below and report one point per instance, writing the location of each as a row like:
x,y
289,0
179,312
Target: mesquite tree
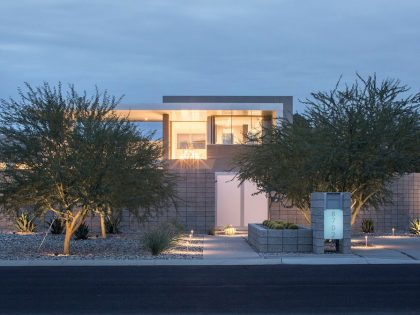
x,y
357,139
71,154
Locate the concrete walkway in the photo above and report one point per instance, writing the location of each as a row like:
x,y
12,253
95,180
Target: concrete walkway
x,y
227,247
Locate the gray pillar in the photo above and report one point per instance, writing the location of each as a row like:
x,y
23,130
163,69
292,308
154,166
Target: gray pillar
x,y
320,203
166,139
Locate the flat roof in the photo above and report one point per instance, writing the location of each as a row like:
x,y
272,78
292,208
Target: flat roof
x,y
200,107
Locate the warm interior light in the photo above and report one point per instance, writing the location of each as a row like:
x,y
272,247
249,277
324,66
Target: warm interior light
x,y
190,155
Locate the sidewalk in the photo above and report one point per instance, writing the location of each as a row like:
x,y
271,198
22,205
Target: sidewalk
x,y
234,250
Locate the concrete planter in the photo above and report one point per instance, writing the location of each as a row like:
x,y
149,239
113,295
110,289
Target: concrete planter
x,y
266,240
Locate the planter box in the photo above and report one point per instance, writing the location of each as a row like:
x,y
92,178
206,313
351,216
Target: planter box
x,y
266,240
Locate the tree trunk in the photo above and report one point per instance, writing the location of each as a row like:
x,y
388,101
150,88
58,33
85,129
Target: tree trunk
x,y
103,230
72,226
67,239
354,214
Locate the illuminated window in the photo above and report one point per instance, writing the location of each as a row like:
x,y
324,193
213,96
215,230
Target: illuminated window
x,y
236,129
189,139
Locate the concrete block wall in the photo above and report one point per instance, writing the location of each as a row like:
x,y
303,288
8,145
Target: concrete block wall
x,y
405,206
195,207
287,213
266,240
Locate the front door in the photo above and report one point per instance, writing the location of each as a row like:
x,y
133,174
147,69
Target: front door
x,y
236,204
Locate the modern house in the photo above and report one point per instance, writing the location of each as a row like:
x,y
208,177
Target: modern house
x,y
200,136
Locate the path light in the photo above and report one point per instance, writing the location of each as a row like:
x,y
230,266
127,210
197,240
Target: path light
x,y
393,231
366,240
192,232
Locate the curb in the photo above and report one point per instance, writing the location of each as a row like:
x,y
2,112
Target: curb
x,y
207,262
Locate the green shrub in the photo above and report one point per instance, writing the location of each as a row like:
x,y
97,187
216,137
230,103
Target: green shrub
x,y
112,223
415,226
279,225
158,240
81,232
291,226
367,226
25,224
56,226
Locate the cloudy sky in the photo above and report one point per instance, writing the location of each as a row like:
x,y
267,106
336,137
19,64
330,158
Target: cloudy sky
x,y
146,49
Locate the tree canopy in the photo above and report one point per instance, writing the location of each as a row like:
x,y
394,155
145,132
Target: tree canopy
x,y
72,155
356,138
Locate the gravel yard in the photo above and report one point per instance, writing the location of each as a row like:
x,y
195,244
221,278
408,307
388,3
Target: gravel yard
x,y
120,246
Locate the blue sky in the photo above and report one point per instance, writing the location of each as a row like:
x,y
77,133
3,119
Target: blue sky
x,y
146,49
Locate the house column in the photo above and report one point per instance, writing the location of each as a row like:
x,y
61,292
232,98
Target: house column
x,y
166,136
267,124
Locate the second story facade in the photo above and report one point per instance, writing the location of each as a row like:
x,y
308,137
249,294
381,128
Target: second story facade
x,y
208,129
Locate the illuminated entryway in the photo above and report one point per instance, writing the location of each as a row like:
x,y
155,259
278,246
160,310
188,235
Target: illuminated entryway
x,y
236,204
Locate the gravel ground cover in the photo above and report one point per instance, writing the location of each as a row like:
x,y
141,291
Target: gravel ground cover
x,y
120,246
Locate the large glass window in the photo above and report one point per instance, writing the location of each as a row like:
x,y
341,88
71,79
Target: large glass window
x,y
189,139
236,129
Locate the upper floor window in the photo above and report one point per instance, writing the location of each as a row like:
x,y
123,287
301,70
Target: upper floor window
x,y
188,139
236,129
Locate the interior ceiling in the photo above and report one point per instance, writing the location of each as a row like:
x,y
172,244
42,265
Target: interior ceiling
x,y
187,115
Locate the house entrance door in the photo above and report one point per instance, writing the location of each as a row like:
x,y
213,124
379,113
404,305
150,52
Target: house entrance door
x,y
236,204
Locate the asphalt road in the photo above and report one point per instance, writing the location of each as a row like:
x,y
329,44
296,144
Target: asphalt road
x,y
284,289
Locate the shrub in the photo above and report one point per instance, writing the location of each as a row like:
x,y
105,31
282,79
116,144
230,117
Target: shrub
x,y
291,226
175,227
158,240
229,230
212,231
25,224
112,223
82,232
415,226
367,226
279,225
56,226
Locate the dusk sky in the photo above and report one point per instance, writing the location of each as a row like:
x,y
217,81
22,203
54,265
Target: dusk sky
x,y
146,49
